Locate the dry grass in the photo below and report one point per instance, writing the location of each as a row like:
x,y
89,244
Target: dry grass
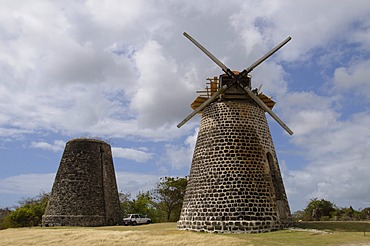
x,y
166,234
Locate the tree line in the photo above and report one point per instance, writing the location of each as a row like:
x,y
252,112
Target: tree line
x,y
323,210
29,213
162,204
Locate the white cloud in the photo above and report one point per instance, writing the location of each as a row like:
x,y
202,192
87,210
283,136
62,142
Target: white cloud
x,y
312,24
179,156
354,78
136,182
56,146
161,91
337,164
132,154
57,68
66,83
307,112
125,17
13,133
30,184
309,121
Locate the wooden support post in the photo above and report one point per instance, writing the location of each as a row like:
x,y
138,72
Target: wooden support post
x,y
213,85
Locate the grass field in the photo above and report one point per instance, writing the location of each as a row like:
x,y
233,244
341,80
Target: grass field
x,y
166,234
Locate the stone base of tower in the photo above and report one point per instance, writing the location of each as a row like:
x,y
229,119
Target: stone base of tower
x,y
235,184
233,226
73,220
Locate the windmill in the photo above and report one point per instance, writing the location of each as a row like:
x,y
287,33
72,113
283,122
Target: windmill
x,y
235,184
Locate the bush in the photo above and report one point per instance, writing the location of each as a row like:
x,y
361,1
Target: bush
x,y
21,217
4,212
319,209
28,214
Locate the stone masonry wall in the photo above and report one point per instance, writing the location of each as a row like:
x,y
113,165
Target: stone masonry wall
x,y
84,192
235,183
113,214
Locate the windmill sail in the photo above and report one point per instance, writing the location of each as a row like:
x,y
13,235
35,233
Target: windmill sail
x,y
236,79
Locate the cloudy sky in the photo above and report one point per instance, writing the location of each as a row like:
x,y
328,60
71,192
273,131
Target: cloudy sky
x,y
121,71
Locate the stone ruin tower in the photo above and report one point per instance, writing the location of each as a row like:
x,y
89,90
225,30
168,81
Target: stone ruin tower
x,y
85,191
235,184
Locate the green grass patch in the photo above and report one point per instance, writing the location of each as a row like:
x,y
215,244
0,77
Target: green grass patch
x,y
348,226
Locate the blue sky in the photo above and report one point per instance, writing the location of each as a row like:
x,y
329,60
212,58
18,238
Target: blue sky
x,y
121,71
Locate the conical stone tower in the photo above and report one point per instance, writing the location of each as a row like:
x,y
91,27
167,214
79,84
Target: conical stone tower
x,y
235,184
85,191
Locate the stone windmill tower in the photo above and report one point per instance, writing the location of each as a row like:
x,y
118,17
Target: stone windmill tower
x,y
235,184
85,191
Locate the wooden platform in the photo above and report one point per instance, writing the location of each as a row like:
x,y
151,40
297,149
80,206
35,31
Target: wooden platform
x,y
200,99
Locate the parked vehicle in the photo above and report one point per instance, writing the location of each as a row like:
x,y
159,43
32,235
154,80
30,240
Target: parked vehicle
x,y
136,219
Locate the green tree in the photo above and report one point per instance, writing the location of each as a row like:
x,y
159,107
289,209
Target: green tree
x,y
144,204
365,214
319,209
169,196
126,203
